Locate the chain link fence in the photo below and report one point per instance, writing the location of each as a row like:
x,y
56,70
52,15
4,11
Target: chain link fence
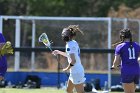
x,y
95,37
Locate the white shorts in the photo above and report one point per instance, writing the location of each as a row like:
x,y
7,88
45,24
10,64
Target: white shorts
x,y
77,78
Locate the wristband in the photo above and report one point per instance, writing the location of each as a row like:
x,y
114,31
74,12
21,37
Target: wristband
x,y
71,64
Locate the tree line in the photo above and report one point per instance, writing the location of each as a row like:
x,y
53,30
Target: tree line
x,y
88,8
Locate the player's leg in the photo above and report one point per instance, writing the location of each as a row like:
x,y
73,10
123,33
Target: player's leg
x,y
136,81
2,72
70,86
129,81
79,80
1,78
129,87
79,88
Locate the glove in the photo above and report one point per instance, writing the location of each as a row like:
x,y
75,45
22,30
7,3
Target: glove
x,y
6,49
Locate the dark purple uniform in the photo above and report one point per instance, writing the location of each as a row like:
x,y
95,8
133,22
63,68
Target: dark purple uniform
x,y
3,61
130,70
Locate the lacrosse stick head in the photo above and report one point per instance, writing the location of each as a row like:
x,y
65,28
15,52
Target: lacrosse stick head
x,y
44,39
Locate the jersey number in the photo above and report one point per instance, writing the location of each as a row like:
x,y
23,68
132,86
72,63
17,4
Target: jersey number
x,y
131,53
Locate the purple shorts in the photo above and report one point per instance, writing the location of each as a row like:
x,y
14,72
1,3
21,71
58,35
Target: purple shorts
x,y
3,71
129,78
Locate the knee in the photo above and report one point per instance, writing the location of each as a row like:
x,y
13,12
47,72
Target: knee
x,y
80,91
1,78
69,91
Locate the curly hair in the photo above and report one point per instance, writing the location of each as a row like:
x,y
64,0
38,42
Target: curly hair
x,y
75,28
125,34
70,31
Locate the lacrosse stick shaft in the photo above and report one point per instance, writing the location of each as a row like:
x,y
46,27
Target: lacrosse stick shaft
x,y
50,49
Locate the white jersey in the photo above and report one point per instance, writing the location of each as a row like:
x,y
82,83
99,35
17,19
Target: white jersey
x,y
72,47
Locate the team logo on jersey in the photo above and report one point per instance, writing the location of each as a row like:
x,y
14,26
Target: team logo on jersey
x,y
68,49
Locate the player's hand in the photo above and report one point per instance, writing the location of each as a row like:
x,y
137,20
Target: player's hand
x,y
113,67
10,50
138,59
55,52
6,49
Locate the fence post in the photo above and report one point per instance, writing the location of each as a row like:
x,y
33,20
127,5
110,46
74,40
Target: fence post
x,y
1,24
17,45
109,55
33,45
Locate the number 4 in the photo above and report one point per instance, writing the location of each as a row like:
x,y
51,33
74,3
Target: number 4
x,y
131,53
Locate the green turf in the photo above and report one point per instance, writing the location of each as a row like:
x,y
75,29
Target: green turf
x,y
42,90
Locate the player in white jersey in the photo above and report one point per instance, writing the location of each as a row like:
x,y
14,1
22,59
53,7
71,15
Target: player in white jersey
x,y
77,76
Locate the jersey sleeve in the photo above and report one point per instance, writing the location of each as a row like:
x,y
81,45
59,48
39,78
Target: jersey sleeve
x,y
71,48
138,47
117,50
2,39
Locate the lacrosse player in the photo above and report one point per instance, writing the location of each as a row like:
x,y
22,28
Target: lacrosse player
x,y
77,77
127,51
5,48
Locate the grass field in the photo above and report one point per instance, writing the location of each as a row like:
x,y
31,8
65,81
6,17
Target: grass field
x,y
42,90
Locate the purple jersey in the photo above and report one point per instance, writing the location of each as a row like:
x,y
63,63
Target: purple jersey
x,y
3,61
129,57
130,70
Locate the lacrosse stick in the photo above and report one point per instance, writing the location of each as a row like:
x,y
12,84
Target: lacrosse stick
x,y
45,40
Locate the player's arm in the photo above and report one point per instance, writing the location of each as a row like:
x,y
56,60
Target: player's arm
x,y
116,61
1,45
139,58
73,61
55,52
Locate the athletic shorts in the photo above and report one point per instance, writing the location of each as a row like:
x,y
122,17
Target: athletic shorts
x,y
77,78
3,71
129,78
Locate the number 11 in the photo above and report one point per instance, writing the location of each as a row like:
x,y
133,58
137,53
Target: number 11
x,y
131,53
